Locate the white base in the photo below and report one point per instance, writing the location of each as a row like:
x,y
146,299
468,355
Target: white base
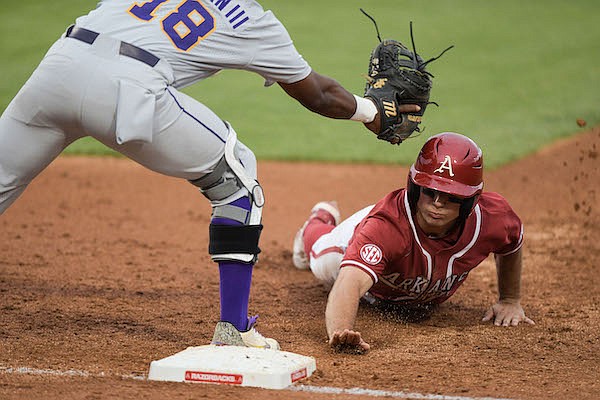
x,y
233,365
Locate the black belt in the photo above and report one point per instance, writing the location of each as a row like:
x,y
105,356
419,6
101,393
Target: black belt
x,y
126,49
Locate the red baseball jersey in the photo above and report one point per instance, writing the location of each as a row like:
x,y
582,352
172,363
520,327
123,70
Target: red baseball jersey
x,y
409,267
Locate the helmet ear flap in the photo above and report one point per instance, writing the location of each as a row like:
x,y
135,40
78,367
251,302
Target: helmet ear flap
x,y
413,192
467,207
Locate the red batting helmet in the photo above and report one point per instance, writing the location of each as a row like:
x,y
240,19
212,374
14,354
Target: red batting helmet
x,y
451,163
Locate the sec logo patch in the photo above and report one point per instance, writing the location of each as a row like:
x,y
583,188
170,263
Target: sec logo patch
x,y
371,254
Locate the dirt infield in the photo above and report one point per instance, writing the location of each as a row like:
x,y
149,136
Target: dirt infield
x,y
104,267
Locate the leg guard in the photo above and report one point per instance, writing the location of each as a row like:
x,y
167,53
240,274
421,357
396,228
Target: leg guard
x,y
236,224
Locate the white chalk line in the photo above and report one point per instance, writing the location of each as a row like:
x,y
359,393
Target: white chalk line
x,y
383,393
294,388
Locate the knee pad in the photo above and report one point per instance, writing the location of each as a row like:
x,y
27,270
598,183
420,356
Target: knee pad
x,y
219,184
236,224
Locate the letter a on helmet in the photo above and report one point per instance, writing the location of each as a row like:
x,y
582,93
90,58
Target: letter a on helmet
x,y
446,165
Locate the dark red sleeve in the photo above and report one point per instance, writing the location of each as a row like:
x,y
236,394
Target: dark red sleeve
x,y
507,226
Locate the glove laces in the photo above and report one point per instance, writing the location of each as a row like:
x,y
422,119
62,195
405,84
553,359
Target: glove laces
x,y
419,66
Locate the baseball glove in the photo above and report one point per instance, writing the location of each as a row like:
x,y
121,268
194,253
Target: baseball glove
x,y
398,76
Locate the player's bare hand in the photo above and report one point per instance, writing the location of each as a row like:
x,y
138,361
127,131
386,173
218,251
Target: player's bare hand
x,y
348,341
375,125
506,314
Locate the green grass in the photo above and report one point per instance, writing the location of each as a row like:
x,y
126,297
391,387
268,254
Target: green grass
x,y
519,76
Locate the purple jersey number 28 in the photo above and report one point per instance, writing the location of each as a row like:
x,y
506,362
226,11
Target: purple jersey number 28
x,y
186,26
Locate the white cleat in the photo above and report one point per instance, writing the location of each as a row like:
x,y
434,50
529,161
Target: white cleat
x,y
226,334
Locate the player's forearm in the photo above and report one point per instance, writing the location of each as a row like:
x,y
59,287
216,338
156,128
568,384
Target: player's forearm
x,y
342,304
509,276
341,310
336,102
323,95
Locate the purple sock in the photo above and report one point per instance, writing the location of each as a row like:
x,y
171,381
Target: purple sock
x,y
235,280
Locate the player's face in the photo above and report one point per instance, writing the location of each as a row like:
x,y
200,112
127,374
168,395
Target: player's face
x,y
437,211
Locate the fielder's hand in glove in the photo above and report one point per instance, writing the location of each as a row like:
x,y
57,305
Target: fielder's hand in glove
x,y
397,81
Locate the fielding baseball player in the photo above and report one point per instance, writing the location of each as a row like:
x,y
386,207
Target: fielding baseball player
x,y
416,246
115,75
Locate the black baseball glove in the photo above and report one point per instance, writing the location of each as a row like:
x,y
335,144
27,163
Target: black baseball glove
x,y
398,76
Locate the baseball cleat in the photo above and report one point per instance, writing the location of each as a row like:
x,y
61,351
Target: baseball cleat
x,y
326,210
227,335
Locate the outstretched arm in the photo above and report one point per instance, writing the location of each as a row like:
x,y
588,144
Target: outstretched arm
x,y
342,306
325,96
508,311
